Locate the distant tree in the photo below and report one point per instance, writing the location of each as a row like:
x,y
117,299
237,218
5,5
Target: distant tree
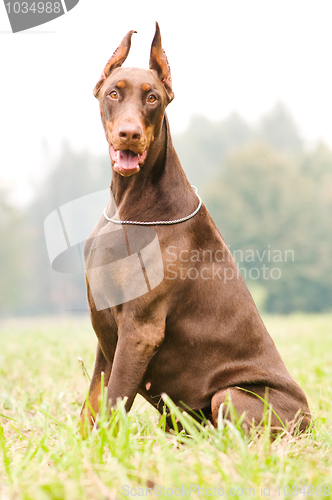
x,y
318,164
278,129
203,146
263,203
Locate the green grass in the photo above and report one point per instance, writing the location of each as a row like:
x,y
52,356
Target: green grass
x,y
42,456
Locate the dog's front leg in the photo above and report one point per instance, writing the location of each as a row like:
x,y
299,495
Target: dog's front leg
x,y
90,411
137,344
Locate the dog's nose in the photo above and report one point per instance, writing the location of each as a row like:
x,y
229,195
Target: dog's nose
x,y
129,132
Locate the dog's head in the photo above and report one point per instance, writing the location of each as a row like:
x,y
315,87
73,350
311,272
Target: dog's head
x,y
132,104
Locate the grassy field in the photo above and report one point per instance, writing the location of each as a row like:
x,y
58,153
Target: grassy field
x,y
42,456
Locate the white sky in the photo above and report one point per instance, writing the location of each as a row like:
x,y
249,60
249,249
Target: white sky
x,y
241,55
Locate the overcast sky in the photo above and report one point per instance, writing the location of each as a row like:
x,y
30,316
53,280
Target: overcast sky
x,y
241,55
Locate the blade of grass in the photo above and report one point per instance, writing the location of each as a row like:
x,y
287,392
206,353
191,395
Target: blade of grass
x,y
265,403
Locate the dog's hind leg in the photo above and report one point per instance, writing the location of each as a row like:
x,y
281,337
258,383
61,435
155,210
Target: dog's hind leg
x,y
285,409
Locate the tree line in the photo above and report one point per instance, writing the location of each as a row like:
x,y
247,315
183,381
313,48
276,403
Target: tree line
x,y
270,196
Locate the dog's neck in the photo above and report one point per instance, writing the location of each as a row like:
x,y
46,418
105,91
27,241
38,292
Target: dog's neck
x,y
161,190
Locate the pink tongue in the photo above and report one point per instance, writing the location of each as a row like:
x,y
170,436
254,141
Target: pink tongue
x,y
127,160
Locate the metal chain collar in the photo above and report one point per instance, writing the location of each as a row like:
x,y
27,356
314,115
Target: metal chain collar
x,y
157,222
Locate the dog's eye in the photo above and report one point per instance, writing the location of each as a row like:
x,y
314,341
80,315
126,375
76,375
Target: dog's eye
x,y
113,94
152,98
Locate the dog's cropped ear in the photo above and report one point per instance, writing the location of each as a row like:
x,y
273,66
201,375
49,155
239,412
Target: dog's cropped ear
x,y
117,59
159,63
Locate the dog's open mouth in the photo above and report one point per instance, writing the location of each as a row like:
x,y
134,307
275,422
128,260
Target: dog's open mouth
x,y
126,162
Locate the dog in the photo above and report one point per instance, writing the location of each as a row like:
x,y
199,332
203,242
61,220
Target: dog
x,y
195,334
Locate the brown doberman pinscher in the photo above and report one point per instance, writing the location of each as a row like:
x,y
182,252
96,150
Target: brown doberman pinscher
x,y
197,335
